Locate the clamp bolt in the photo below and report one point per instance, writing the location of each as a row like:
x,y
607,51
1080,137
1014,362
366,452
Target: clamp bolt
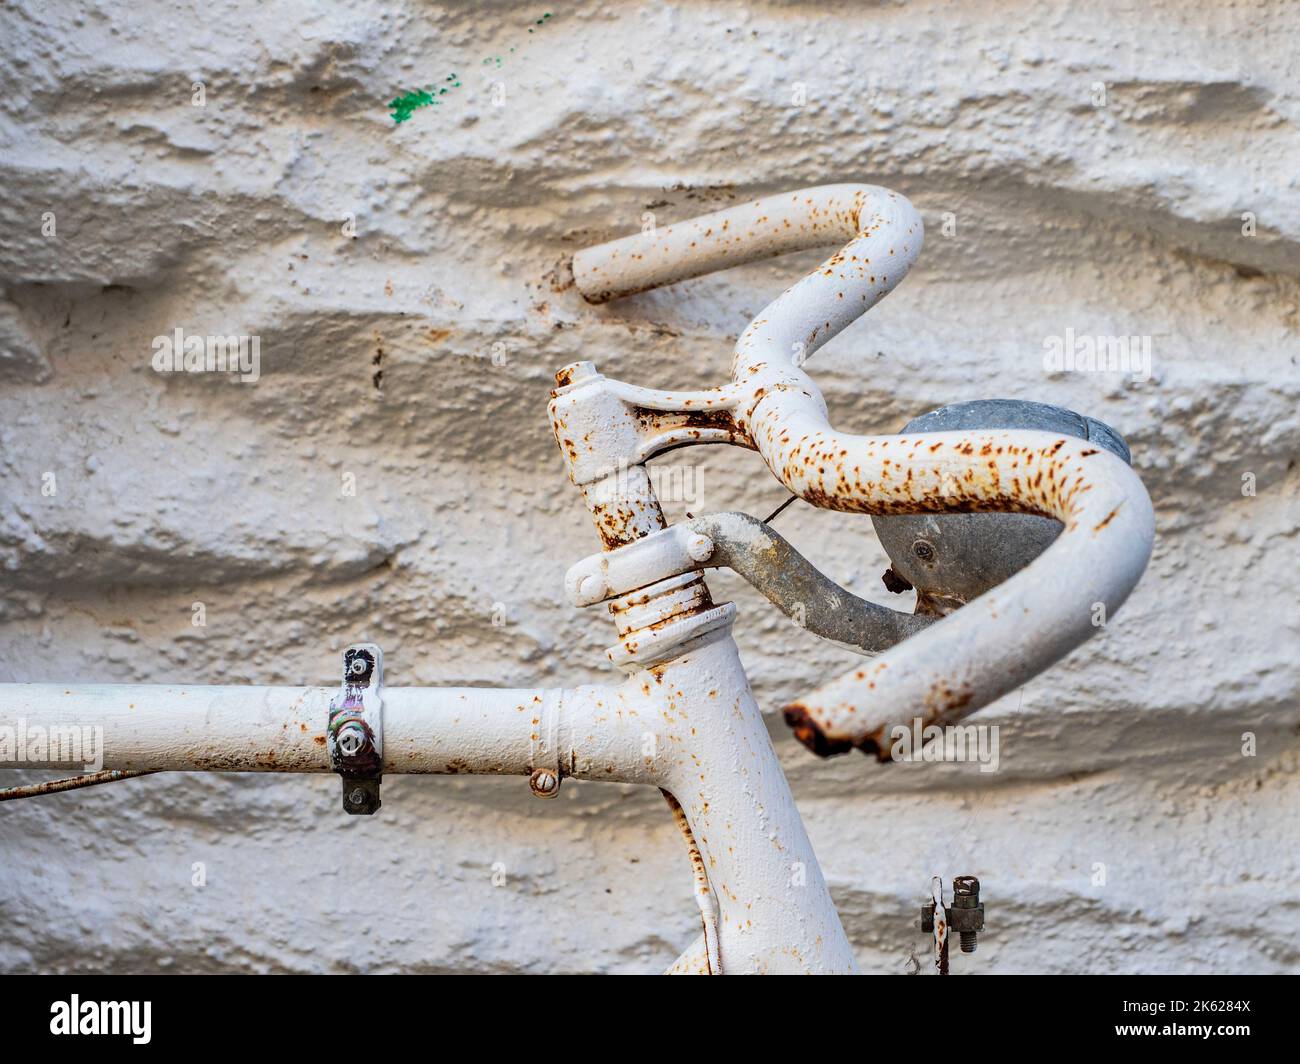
x,y
965,897
354,735
699,547
965,915
544,782
351,739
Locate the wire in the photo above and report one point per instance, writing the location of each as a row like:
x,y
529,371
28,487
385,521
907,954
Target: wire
x,y
71,783
768,520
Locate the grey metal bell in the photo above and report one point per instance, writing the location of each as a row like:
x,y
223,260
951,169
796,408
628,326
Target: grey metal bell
x,y
952,558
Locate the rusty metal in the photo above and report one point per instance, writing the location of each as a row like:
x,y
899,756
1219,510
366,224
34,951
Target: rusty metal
x,y
952,559
937,924
965,916
546,713
354,736
704,898
545,783
684,718
70,783
978,653
775,913
775,225
761,556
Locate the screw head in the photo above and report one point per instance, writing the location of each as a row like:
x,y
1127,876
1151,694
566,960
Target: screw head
x,y
575,372
923,549
699,547
351,740
544,782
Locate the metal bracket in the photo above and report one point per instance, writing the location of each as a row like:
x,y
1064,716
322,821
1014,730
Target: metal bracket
x,y
603,425
965,915
355,735
547,773
669,552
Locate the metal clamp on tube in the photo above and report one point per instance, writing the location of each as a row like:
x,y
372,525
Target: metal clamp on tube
x,y
355,736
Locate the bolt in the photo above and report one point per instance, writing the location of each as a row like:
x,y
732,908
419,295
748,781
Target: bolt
x,y
923,550
545,782
699,547
592,588
351,739
358,665
966,895
575,372
361,797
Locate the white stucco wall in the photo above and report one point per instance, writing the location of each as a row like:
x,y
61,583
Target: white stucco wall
x,y
1119,215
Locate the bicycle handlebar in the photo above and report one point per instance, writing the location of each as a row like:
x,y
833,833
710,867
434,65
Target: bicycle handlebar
x,y
1012,632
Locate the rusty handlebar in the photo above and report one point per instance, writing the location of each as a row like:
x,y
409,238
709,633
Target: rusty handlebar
x,y
993,644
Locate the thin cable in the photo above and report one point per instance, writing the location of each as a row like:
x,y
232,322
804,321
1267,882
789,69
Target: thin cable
x,y
768,520
71,783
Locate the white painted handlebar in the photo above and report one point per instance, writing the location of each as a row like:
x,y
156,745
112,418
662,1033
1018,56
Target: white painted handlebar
x,y
1007,635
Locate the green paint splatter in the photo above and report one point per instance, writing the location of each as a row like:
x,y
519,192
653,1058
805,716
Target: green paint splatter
x,y
400,108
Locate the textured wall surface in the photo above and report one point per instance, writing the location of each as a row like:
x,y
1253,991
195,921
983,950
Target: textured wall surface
x,y
1113,169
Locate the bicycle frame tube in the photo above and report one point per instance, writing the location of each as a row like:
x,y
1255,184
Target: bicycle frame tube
x,y
689,727
775,912
440,731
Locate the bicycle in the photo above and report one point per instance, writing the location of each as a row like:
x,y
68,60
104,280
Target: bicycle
x,y
684,719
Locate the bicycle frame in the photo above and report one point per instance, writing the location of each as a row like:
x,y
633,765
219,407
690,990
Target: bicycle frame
x,y
684,719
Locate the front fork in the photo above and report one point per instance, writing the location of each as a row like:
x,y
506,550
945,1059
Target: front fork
x,y
755,869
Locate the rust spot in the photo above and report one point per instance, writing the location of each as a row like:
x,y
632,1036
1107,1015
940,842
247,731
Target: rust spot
x,y
807,732
895,583
1106,520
